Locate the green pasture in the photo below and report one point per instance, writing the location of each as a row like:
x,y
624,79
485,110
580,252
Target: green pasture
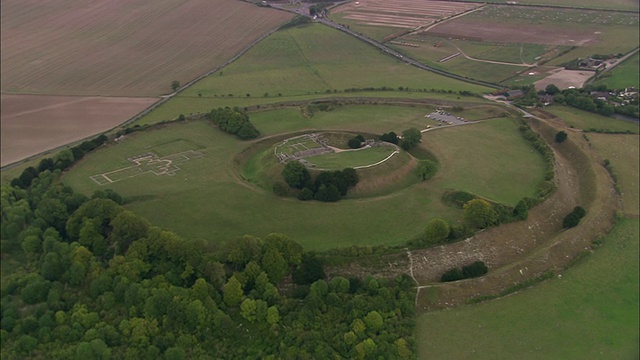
x,y
614,32
197,105
351,159
375,119
208,198
622,151
427,51
315,58
473,147
482,70
302,63
550,15
460,65
624,75
514,53
585,120
589,313
613,39
627,5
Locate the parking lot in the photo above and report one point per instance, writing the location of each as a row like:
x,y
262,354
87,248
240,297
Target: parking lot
x,y
445,118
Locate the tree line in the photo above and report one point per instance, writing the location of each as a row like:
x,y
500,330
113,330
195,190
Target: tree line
x,y
85,278
234,121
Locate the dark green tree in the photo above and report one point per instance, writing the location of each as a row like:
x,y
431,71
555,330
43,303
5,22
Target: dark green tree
x,y
551,89
561,136
390,137
232,292
410,138
354,143
452,275
437,231
274,265
427,169
309,270
479,213
295,174
476,269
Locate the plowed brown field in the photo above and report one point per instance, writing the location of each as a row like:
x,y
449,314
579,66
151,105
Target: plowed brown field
x,y
33,123
409,14
122,47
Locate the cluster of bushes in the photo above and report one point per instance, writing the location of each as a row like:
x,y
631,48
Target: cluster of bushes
x,y
582,99
481,213
410,138
406,88
547,186
328,186
390,137
474,270
296,21
61,161
323,106
613,174
356,142
234,121
426,169
513,288
573,218
561,136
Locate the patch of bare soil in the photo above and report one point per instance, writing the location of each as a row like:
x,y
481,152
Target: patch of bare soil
x,y
565,79
523,250
32,124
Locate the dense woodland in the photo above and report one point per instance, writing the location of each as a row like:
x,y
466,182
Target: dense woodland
x,y
85,278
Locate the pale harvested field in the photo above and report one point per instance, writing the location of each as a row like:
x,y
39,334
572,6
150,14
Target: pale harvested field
x,y
565,79
35,123
122,47
408,14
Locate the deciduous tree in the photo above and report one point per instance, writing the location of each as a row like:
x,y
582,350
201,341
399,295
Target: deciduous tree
x,y
295,174
479,213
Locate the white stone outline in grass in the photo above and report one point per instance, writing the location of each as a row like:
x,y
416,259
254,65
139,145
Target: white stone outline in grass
x,y
283,158
169,168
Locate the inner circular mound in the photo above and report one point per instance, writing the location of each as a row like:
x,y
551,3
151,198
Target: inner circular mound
x,y
381,166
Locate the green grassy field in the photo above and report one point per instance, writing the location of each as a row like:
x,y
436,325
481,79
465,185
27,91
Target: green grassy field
x,y
614,39
472,147
589,313
495,73
207,197
351,159
629,5
624,75
461,65
622,151
303,63
585,120
315,58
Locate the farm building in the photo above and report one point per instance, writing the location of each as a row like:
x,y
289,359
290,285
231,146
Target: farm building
x,y
514,94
